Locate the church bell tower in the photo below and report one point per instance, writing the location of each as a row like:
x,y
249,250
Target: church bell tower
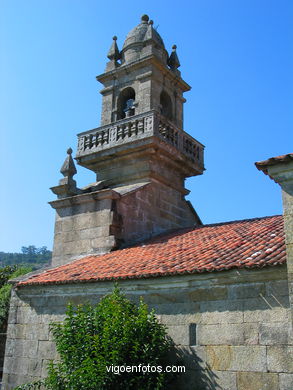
x,y
140,154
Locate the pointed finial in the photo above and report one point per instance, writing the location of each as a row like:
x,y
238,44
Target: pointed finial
x,y
150,33
67,186
68,169
114,54
173,60
144,18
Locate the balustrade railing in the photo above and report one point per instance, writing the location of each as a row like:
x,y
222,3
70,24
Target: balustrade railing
x,y
139,127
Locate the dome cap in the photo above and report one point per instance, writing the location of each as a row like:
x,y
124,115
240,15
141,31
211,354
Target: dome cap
x,y
138,34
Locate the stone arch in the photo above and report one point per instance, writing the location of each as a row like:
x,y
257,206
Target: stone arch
x,y
166,105
125,103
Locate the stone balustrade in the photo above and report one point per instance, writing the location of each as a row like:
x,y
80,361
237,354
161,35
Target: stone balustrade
x,y
138,127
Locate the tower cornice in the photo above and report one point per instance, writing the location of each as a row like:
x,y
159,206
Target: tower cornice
x,y
150,60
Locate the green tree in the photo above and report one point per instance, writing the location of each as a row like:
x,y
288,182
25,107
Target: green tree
x,y
115,332
30,250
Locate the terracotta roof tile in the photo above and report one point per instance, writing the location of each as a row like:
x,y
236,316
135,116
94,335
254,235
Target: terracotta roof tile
x,y
249,243
263,165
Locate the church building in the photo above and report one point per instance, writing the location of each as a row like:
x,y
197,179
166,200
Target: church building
x,y
223,290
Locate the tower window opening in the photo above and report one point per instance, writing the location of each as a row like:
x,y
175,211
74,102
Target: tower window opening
x,y
126,103
166,105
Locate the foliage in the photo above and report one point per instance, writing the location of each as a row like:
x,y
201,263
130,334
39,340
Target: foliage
x,y
7,273
37,385
114,332
4,305
30,255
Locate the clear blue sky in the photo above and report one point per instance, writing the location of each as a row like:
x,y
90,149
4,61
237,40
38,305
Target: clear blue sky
x,y
236,55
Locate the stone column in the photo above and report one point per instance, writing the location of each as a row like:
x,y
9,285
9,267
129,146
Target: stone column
x,y
280,169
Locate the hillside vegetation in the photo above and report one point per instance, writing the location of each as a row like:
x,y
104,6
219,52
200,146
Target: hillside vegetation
x,y
30,255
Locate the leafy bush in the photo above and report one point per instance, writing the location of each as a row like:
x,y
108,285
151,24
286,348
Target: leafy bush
x,y
4,305
114,332
7,273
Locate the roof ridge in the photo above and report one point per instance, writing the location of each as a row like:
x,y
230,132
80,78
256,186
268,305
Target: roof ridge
x,y
192,228
241,220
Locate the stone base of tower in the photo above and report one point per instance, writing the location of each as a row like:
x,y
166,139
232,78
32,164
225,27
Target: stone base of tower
x,y
100,221
153,210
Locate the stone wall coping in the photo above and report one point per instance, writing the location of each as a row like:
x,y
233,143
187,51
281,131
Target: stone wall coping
x,y
225,278
84,198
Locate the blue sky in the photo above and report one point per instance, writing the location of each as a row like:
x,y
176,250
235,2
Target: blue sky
x,y
236,55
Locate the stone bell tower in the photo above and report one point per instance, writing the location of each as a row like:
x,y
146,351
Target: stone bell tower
x,y
140,154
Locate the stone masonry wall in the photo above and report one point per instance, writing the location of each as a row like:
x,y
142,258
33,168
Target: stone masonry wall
x,y
2,352
231,328
82,229
288,223
87,225
152,210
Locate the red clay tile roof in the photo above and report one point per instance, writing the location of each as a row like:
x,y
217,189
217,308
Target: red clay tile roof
x,y
263,165
248,243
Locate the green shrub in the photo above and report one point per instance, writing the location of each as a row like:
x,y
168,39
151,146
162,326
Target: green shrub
x,y
7,273
4,305
114,332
